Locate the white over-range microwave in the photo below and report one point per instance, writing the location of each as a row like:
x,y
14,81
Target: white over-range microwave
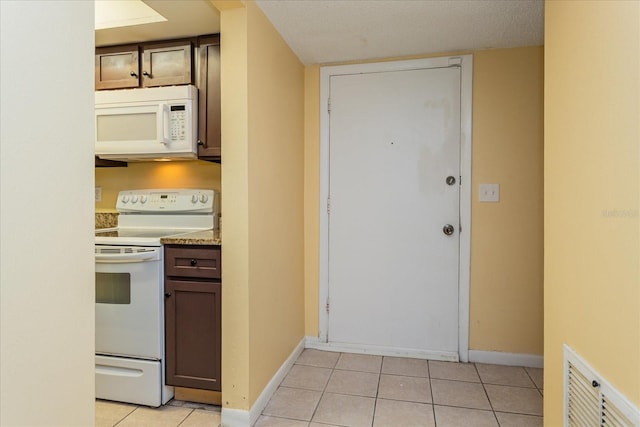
x,y
147,124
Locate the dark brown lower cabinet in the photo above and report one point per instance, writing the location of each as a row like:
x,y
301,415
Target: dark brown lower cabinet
x,y
193,322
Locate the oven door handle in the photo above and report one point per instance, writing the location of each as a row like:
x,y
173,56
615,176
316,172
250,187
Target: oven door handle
x,y
126,258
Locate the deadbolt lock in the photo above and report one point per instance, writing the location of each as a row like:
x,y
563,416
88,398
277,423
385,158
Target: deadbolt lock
x,y
451,180
448,229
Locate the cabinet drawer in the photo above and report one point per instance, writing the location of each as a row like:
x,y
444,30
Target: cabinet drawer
x,y
195,261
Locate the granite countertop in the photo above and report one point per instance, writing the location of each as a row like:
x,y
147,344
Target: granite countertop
x,y
106,219
207,237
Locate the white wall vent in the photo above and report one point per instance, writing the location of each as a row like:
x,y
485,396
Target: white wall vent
x,y
590,401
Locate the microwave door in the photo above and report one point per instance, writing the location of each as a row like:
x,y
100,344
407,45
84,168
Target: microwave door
x,y
130,129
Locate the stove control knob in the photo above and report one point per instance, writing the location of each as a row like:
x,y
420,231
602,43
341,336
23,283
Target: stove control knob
x,y
194,198
125,199
134,199
143,199
204,198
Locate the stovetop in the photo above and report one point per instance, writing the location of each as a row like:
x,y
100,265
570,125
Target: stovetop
x,y
152,233
146,216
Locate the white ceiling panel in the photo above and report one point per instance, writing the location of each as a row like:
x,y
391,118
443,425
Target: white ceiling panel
x,y
326,31
185,18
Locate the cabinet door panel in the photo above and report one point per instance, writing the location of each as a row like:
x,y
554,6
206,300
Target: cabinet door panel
x,y
209,135
167,64
193,334
113,67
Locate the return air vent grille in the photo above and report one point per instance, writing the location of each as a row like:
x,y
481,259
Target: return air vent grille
x,y
584,400
591,401
611,415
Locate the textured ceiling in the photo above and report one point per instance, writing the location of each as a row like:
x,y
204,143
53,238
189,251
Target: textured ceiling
x,y
325,31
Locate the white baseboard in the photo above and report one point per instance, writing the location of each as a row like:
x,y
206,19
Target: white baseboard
x,y
509,359
234,418
240,418
314,342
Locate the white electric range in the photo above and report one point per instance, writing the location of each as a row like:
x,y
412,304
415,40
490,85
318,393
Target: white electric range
x,y
130,289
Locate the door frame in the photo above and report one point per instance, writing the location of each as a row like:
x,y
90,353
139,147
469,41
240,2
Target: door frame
x,y
465,62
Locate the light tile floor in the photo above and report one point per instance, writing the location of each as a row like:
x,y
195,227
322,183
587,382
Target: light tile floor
x,y
325,389
175,413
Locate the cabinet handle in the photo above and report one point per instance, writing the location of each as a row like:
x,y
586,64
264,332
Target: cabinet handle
x,y
133,74
167,294
193,262
144,73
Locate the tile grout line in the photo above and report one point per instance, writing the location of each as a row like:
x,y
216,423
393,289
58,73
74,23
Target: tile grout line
x,y
126,416
185,418
324,389
531,378
433,400
493,410
375,399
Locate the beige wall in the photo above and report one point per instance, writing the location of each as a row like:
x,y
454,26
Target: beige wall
x,y
190,174
506,255
276,244
506,308
311,198
47,297
235,227
262,184
592,191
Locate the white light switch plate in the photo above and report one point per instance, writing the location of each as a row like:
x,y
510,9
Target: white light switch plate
x,y
489,193
98,194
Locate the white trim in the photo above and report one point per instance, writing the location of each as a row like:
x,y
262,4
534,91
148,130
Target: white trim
x,y
315,343
464,266
466,104
509,359
234,418
241,418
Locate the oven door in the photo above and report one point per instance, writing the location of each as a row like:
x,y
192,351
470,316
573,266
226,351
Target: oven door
x,y
129,316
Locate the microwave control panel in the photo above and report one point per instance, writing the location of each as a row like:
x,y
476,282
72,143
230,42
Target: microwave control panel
x,y
178,123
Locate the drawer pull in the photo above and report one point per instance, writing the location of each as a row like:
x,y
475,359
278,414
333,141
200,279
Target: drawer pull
x,y
194,262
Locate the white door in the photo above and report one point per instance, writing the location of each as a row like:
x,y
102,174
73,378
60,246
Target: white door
x,y
394,171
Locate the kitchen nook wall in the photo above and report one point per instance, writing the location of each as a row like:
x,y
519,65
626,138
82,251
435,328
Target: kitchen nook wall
x,y
143,175
47,293
592,194
506,287
262,183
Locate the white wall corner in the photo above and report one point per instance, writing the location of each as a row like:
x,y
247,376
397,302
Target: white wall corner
x,y
241,418
509,359
235,418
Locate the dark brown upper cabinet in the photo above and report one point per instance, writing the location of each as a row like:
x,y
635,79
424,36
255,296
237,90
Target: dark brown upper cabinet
x,y
167,63
208,82
144,65
117,67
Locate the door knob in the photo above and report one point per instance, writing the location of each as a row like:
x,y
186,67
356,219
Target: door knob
x,y
451,180
448,229
133,74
